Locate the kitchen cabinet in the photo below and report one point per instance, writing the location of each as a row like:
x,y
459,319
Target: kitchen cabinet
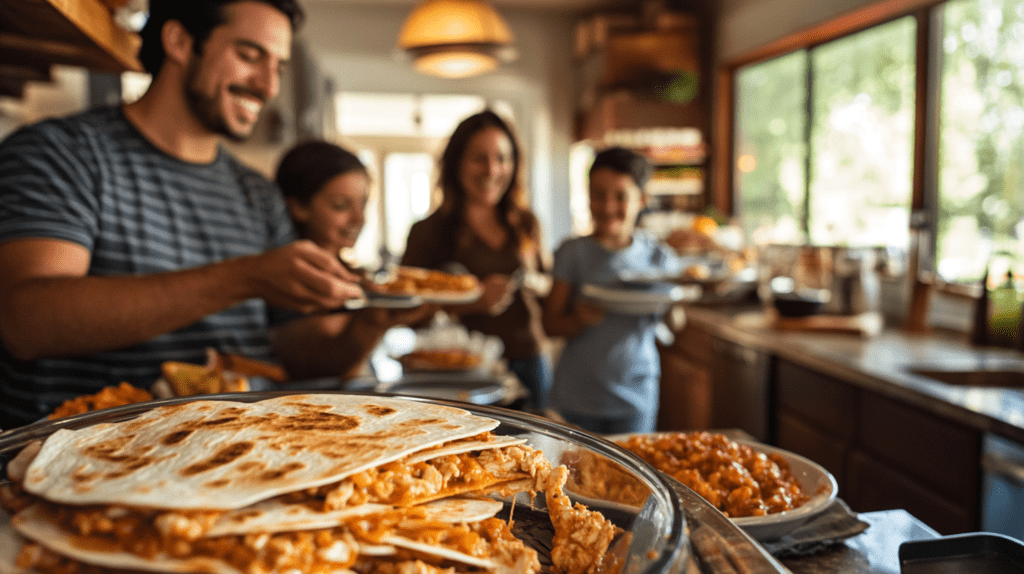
x,y
35,34
708,382
884,453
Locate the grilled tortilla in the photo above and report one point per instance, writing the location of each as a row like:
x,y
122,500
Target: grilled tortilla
x,y
303,483
221,455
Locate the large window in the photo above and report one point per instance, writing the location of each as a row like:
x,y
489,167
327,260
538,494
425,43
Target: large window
x,y
981,136
825,137
825,141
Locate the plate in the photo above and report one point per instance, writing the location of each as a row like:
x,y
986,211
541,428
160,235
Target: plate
x,y
482,392
451,297
639,298
812,476
384,301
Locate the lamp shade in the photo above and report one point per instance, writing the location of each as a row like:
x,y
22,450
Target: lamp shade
x,y
456,38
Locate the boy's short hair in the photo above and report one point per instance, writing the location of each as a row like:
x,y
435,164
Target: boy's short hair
x,y
625,161
199,17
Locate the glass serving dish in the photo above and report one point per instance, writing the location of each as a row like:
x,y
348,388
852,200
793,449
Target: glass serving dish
x,y
653,519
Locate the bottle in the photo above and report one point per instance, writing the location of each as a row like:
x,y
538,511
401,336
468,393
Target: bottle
x,y
979,331
1004,323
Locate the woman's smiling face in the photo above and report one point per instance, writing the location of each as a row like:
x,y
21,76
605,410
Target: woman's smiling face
x,y
487,167
336,214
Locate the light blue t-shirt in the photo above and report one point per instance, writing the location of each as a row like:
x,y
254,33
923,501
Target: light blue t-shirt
x,y
611,369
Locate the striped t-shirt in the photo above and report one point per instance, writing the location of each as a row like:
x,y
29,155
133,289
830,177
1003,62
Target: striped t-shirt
x,y
93,179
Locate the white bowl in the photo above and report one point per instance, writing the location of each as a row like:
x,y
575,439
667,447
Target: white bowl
x,y
813,478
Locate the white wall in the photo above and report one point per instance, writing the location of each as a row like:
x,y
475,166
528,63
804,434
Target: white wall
x,y
355,44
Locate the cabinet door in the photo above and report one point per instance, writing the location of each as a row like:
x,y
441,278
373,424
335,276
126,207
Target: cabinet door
x,y
685,393
873,485
935,452
739,396
826,403
795,435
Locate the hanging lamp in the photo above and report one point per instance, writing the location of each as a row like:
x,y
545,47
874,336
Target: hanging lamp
x,y
456,38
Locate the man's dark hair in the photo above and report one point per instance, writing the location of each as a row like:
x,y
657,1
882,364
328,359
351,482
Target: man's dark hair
x,y
199,17
624,161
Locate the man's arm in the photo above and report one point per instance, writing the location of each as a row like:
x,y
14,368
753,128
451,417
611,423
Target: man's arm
x,y
49,307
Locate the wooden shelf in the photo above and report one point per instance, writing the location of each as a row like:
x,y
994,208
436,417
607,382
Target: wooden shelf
x,y
35,34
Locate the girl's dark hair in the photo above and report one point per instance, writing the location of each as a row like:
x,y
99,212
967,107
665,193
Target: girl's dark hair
x,y
512,206
309,165
624,161
199,17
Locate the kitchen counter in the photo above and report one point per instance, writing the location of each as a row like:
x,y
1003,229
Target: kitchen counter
x,y
880,364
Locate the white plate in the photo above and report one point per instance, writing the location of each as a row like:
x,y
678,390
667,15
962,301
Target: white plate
x,y
813,478
647,300
451,297
385,301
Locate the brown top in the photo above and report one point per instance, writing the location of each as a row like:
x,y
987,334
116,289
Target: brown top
x,y
433,242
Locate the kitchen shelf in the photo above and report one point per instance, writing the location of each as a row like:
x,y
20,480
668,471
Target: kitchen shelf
x,y
35,34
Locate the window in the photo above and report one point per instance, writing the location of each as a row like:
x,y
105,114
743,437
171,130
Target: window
x,y
825,137
825,141
981,137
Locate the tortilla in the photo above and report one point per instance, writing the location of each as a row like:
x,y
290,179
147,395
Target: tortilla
x,y
222,455
278,516
35,524
461,446
10,544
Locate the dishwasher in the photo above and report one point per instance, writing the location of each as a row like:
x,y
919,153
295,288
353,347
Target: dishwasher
x,y
1002,467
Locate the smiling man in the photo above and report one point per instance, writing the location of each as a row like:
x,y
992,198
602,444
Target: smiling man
x,y
129,236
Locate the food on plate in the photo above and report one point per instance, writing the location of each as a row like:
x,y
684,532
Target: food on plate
x,y
296,483
453,359
733,477
418,281
222,373
122,394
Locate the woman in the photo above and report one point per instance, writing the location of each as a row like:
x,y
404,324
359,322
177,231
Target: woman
x,y
484,226
326,189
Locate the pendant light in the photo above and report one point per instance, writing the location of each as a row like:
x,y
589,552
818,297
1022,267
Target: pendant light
x,y
456,38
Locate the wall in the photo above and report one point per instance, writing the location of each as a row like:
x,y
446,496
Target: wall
x,y
355,45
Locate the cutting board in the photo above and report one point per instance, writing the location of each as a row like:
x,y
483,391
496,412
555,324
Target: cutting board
x,y
862,325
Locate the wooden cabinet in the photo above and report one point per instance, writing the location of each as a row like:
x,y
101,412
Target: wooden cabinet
x,y
884,453
35,34
685,402
708,382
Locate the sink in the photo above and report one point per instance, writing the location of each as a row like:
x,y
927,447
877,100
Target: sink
x,y
1007,378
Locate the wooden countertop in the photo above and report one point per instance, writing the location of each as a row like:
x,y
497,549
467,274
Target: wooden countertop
x,y
881,364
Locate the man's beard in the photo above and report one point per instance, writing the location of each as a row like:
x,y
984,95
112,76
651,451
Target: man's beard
x,y
204,107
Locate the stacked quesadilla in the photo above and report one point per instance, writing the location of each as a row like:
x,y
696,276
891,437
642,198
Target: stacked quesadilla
x,y
293,484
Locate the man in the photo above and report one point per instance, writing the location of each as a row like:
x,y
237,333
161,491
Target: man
x,y
128,236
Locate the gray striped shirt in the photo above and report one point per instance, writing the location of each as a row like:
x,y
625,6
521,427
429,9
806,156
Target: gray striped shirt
x,y
93,179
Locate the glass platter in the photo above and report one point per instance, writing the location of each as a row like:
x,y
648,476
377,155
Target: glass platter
x,y
656,540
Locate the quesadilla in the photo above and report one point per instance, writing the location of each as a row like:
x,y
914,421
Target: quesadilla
x,y
299,483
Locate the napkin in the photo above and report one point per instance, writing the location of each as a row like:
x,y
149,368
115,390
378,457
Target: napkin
x,y
835,524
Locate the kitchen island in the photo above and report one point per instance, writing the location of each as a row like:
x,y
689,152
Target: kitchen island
x,y
892,438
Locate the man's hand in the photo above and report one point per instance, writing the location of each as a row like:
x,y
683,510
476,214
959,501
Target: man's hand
x,y
301,276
